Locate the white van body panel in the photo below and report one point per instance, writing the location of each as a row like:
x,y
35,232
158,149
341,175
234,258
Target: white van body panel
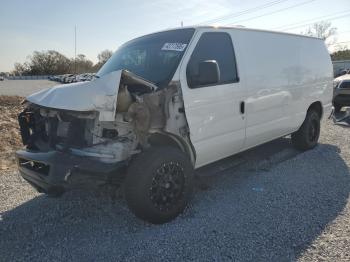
x,y
217,128
284,75
281,75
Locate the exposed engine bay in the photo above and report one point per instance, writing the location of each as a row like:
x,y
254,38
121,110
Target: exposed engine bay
x,y
109,130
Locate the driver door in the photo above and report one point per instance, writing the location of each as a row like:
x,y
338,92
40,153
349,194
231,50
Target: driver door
x,y
215,111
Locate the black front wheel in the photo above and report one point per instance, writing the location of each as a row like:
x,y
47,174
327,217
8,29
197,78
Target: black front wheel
x,y
159,184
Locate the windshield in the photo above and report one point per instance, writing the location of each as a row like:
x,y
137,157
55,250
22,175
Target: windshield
x,y
154,57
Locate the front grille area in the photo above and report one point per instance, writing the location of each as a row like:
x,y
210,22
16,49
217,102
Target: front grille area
x,y
44,132
38,167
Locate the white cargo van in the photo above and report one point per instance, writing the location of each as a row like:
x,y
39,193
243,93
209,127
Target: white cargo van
x,y
172,101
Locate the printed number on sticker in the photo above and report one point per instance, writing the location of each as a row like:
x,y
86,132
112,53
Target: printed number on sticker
x,y
174,47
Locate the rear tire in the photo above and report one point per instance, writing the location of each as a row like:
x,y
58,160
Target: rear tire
x,y
308,134
159,184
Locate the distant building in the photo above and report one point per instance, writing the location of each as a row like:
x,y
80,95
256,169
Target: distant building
x,y
340,65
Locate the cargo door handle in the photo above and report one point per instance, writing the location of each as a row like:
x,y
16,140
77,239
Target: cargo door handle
x,y
242,107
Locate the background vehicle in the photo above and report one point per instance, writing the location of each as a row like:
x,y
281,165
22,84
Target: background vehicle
x,y
172,101
70,78
2,78
344,72
341,93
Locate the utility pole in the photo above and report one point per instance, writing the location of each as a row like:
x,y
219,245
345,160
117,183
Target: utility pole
x,y
182,24
75,49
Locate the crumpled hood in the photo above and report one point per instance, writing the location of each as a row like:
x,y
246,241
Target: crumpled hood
x,y
98,95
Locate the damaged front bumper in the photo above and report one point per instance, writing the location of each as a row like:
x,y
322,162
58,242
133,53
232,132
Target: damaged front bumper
x,y
54,170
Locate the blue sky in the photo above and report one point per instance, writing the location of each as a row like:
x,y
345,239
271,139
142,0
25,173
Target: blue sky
x,y
26,26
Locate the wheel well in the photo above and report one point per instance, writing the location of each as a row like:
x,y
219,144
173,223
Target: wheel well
x,y
160,139
316,106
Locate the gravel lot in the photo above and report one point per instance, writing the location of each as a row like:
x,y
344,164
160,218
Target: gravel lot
x,y
23,87
268,204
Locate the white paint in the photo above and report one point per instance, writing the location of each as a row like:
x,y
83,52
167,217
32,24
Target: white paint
x,y
281,75
99,95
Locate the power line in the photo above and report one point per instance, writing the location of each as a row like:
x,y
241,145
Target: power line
x,y
343,42
288,26
332,19
246,11
342,32
308,20
274,12
303,25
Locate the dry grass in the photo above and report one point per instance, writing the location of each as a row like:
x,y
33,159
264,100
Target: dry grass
x,y
10,139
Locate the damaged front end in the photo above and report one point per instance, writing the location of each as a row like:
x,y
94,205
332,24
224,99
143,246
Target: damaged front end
x,y
86,133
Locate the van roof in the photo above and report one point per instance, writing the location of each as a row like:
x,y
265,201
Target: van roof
x,y
239,28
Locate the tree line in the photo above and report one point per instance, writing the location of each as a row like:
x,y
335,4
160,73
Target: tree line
x,y
341,55
51,62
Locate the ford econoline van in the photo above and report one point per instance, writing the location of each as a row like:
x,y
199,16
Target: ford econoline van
x,y
170,102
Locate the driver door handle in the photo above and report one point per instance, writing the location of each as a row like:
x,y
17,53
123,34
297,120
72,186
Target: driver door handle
x,y
242,107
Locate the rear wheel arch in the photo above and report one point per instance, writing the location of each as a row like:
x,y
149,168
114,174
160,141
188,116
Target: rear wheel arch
x,y
317,107
306,137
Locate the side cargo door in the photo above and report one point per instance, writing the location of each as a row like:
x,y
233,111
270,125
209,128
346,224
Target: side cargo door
x,y
215,112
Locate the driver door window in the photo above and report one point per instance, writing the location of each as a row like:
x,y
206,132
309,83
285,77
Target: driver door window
x,y
213,46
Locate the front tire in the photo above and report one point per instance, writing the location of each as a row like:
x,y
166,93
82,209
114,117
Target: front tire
x,y
308,134
159,184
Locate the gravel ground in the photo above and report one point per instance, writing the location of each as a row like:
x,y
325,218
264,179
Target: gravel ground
x,y
271,203
23,87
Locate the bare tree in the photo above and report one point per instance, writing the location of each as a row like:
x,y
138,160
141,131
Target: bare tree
x,y
21,69
323,30
102,58
83,64
341,55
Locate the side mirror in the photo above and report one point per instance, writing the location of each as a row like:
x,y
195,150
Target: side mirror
x,y
209,72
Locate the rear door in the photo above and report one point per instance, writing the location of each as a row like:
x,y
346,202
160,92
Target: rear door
x,y
215,119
